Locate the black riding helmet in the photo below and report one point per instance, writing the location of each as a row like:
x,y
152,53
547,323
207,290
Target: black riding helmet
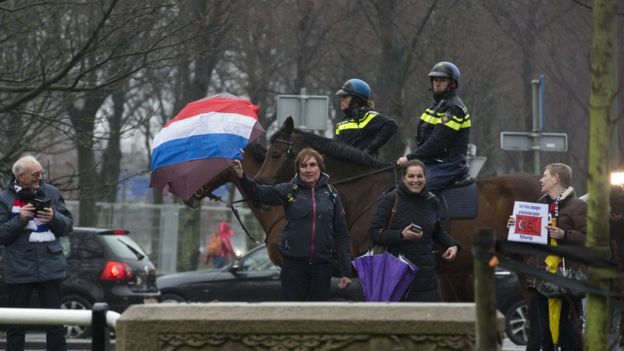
x,y
445,69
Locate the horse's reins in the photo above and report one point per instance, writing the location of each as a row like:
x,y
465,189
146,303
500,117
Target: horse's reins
x,y
357,177
235,211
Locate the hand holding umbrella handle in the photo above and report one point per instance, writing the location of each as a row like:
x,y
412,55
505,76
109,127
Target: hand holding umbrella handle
x,y
237,167
344,282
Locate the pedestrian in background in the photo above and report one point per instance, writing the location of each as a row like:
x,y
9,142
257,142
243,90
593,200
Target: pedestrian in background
x,y
219,248
315,232
32,218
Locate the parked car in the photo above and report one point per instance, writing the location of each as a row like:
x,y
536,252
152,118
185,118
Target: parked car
x,y
251,278
103,265
510,301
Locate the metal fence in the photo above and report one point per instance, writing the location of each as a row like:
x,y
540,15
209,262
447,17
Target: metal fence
x,y
156,227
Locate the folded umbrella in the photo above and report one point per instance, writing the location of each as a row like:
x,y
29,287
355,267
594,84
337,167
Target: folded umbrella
x,y
384,277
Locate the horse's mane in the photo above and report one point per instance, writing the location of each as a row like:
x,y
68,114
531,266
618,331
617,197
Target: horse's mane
x,y
257,151
339,150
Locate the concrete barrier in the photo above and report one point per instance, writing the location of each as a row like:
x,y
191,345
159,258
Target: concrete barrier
x,y
299,326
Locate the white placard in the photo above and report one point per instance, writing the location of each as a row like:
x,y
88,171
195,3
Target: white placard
x,y
531,220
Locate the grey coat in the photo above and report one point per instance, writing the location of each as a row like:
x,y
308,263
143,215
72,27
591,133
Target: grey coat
x,y
31,262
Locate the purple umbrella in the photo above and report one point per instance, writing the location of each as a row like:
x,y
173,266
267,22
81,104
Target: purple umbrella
x,y
384,277
201,141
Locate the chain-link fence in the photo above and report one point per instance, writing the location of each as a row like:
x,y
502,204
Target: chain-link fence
x,y
157,228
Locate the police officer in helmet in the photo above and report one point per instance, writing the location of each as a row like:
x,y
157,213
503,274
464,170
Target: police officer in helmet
x,y
362,127
443,130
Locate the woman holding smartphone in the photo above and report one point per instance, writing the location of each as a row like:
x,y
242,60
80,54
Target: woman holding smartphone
x,y
413,230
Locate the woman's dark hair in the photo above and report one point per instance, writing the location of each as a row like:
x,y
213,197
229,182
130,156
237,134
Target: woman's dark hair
x,y
411,163
309,152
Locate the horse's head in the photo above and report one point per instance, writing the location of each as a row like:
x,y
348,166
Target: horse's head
x,y
279,163
253,157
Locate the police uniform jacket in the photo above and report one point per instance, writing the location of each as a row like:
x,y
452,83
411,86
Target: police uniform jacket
x,y
365,129
316,228
443,129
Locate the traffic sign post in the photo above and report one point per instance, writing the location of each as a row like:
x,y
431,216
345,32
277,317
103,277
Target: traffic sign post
x,y
535,141
307,111
519,141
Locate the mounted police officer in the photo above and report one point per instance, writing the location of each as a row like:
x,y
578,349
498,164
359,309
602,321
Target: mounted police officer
x,y
443,130
362,127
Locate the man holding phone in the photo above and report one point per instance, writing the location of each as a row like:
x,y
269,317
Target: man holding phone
x,y
32,217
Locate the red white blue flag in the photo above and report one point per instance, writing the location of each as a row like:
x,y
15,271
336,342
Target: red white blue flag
x,y
201,141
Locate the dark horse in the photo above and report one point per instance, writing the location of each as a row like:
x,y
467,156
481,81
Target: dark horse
x,y
361,181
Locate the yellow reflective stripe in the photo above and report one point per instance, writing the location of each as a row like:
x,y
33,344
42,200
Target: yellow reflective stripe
x,y
351,124
453,125
454,122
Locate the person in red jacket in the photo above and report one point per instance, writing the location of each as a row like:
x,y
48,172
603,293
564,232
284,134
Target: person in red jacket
x,y
219,246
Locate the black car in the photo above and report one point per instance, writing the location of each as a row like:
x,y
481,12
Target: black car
x,y
251,278
510,301
103,265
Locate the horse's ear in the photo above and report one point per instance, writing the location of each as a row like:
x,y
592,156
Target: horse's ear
x,y
288,127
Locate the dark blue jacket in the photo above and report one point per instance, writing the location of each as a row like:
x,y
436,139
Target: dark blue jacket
x,y
316,228
443,130
420,209
31,262
365,129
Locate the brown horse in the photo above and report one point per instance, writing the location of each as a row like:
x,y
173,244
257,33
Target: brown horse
x,y
361,181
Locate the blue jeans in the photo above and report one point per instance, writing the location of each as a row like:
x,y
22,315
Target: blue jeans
x,y
305,281
49,293
442,174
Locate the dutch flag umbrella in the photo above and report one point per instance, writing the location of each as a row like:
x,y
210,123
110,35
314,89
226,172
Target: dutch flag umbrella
x,y
202,140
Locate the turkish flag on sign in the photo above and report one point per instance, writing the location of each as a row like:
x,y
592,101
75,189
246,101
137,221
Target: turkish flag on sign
x,y
528,225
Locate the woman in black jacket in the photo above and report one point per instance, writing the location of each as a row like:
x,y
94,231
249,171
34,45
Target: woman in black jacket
x,y
414,205
316,228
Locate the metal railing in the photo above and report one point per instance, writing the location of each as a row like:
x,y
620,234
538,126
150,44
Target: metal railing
x,y
99,318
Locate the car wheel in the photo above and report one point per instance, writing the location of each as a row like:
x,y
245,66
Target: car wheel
x,y
76,302
171,298
517,323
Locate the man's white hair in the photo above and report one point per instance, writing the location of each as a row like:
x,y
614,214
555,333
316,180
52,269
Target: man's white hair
x,y
20,164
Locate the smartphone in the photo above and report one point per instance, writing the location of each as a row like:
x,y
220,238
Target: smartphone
x,y
41,204
415,228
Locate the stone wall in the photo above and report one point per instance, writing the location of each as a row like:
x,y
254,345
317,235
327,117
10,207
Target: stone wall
x,y
299,326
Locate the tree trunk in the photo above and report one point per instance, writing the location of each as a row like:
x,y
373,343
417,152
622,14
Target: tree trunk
x,y
601,100
111,159
83,121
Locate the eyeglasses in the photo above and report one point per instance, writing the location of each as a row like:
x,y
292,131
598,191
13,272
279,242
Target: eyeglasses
x,y
37,174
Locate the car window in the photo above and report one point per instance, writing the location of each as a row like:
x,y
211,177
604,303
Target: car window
x,y
123,247
257,261
83,246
